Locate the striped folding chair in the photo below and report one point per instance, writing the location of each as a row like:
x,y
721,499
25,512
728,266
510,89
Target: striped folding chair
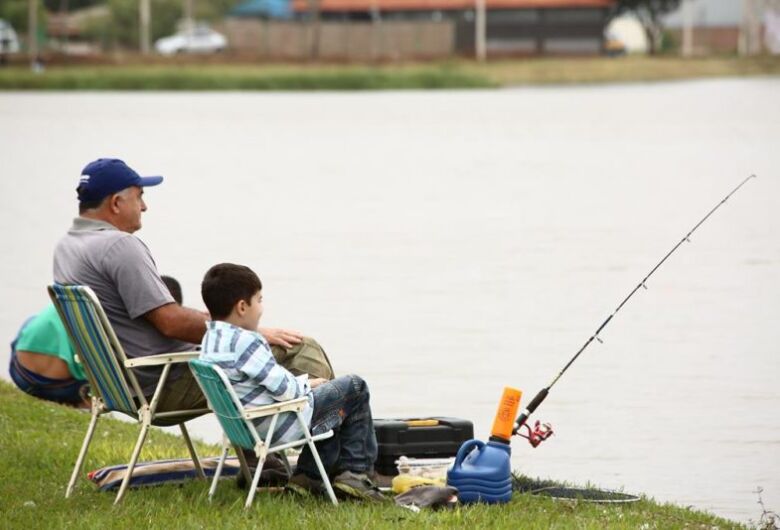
x,y
236,422
110,379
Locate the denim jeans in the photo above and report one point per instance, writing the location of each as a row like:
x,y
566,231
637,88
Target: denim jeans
x,y
71,391
342,405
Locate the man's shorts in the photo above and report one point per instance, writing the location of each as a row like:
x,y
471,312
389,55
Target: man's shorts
x,y
308,357
70,391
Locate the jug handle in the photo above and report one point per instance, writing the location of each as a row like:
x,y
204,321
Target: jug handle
x,y
465,449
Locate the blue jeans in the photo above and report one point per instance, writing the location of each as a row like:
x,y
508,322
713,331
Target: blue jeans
x,y
342,405
70,391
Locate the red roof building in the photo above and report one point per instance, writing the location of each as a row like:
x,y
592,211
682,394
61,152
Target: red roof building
x,y
329,6
399,29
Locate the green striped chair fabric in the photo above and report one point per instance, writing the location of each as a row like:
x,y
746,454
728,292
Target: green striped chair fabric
x,y
236,422
99,353
224,403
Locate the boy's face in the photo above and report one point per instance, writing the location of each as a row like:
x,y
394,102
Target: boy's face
x,y
254,310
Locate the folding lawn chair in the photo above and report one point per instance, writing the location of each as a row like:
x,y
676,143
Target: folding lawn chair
x,y
239,430
106,366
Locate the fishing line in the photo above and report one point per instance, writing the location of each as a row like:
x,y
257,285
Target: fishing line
x,y
540,397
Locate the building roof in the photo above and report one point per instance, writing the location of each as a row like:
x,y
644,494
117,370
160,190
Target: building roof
x,y
263,8
443,5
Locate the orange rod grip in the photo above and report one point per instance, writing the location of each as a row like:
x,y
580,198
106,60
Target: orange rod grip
x,y
507,410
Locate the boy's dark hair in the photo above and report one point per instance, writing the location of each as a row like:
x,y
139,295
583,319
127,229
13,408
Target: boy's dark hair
x,y
174,287
225,284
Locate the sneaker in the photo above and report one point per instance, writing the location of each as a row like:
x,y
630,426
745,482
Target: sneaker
x,y
305,486
274,472
358,486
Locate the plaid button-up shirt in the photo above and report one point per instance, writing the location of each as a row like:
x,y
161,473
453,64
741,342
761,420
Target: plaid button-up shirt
x,y
256,377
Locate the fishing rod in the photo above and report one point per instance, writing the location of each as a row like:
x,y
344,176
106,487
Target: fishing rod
x,y
540,397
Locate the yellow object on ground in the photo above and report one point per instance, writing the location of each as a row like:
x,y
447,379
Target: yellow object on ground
x,y
403,483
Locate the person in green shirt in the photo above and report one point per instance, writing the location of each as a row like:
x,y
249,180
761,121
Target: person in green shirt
x,y
43,363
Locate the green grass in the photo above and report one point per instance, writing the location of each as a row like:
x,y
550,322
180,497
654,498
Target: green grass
x,y
193,73
221,77
628,69
39,442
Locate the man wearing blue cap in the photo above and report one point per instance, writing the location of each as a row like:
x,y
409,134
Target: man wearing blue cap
x,y
100,251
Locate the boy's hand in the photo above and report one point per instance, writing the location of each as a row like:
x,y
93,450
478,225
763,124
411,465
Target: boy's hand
x,y
317,381
281,337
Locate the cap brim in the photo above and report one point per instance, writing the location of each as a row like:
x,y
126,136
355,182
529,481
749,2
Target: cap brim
x,y
150,181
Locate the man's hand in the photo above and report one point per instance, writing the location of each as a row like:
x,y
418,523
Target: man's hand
x,y
281,337
317,381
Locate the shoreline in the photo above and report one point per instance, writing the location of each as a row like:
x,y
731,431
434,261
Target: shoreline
x,y
188,74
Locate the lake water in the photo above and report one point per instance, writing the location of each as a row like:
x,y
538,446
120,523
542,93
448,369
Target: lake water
x,y
446,244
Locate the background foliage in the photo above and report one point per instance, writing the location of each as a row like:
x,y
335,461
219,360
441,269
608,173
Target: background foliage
x,y
120,26
649,13
15,12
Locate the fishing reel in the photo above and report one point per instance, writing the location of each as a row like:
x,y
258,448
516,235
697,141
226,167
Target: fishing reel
x,y
538,434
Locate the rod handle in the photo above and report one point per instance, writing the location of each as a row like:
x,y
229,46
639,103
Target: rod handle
x,y
535,402
507,408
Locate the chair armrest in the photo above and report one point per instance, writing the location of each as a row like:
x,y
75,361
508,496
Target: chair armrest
x,y
163,358
283,406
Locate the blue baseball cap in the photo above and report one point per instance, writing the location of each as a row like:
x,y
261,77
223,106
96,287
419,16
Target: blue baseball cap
x,y
105,176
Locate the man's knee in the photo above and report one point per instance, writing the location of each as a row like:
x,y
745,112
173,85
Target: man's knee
x,y
306,342
307,357
310,343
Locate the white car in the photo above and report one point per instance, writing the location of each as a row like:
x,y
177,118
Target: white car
x,y
200,39
9,41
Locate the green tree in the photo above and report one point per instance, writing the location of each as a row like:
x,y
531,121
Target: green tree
x,y
649,13
122,27
213,10
56,5
15,12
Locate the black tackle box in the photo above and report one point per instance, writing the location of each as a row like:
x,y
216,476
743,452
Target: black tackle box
x,y
418,438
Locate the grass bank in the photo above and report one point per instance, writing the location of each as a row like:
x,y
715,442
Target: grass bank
x,y
621,69
240,77
190,74
39,443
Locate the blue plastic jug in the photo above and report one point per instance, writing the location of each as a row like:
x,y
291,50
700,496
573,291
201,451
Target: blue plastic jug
x,y
482,472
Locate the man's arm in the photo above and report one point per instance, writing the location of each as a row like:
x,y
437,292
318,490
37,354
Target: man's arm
x,y
177,322
189,325
131,267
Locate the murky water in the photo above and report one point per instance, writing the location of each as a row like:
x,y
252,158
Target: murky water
x,y
445,244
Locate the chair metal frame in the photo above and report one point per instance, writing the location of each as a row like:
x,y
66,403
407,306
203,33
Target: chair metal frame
x,y
109,370
240,431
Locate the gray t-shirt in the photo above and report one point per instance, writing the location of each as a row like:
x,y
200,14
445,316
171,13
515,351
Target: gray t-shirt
x,y
120,269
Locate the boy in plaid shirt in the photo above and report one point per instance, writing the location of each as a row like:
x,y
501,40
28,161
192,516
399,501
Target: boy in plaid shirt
x,y
233,296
